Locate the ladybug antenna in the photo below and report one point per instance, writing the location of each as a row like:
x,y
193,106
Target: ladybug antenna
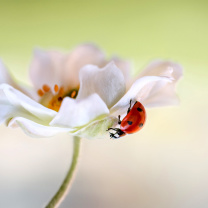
x,y
129,106
119,119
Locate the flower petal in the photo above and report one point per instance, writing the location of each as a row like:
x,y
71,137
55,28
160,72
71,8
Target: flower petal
x,y
163,97
22,104
53,67
97,129
82,55
5,112
75,113
163,68
46,68
5,76
34,129
140,91
124,66
108,82
166,95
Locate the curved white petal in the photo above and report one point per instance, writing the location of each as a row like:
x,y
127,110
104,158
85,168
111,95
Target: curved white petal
x,y
5,112
75,113
46,68
97,129
82,55
53,67
163,97
166,95
22,104
5,77
140,91
108,82
124,66
34,129
163,68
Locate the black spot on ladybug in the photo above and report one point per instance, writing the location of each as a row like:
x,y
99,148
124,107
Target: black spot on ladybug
x,y
129,122
141,124
139,109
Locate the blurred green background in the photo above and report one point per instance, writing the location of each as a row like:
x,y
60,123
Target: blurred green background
x,y
164,165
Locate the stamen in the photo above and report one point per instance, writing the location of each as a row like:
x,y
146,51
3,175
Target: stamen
x,y
40,92
55,99
60,99
56,88
73,94
61,91
46,88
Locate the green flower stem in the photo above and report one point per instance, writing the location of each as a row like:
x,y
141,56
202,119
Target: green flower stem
x,y
63,190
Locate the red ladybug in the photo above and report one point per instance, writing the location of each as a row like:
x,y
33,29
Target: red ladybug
x,y
132,122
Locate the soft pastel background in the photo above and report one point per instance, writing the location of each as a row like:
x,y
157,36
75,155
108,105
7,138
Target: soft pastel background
x,y
163,166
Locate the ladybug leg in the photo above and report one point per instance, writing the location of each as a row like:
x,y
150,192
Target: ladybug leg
x,y
112,136
114,129
129,106
119,119
118,133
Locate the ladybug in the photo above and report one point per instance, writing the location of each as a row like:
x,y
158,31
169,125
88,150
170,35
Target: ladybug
x,y
132,122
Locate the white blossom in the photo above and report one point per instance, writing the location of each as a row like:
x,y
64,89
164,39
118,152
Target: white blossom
x,y
81,92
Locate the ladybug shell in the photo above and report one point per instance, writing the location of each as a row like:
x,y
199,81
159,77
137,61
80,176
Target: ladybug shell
x,y
134,120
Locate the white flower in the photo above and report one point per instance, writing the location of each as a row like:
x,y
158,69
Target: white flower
x,y
81,93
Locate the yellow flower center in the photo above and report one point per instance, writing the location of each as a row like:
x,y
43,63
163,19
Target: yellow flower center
x,y
53,101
